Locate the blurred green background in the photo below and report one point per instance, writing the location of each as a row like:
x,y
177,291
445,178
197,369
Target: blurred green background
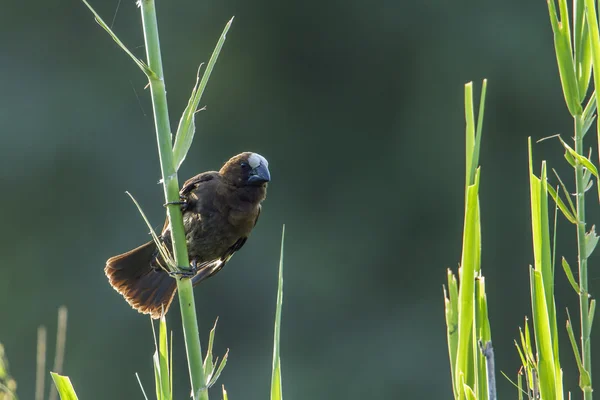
x,y
358,106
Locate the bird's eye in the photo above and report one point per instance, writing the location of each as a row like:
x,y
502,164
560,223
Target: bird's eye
x,y
244,165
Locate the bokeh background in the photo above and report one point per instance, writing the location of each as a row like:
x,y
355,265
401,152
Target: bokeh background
x,y
358,106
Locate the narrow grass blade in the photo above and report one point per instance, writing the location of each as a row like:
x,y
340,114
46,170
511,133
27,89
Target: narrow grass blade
x,y
187,125
594,35
591,313
581,159
584,376
163,354
569,273
591,240
563,50
541,243
561,205
542,329
583,50
451,308
276,383
164,252
469,393
587,164
470,138
589,113
521,354
483,337
142,65
64,387
516,385
61,339
208,361
141,386
40,372
566,193
470,263
570,159
216,373
470,133
225,393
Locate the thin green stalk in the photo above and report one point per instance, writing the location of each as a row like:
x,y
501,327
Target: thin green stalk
x,y
171,189
581,248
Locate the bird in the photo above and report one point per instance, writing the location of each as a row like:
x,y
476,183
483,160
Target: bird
x,y
220,209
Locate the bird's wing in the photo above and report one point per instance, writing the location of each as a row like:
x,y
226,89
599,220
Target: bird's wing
x,y
188,187
209,268
193,183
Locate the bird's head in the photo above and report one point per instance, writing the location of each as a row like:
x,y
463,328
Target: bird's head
x,y
246,169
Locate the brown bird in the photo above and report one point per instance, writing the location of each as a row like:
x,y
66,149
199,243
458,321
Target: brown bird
x,y
219,211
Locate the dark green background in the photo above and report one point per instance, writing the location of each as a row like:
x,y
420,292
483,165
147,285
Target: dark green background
x,y
358,106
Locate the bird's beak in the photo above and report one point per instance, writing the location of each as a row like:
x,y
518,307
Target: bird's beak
x,y
259,175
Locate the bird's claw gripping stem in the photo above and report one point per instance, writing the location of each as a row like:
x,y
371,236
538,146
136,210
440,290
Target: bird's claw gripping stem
x,y
182,202
184,272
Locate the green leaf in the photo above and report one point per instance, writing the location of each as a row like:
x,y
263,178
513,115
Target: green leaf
x,y
208,360
215,374
451,308
479,128
142,65
584,376
64,387
589,113
187,125
561,205
581,41
225,394
581,159
543,329
566,193
470,265
520,351
564,54
541,237
470,164
211,375
591,313
276,384
594,35
569,274
473,132
469,393
163,356
570,159
483,323
591,240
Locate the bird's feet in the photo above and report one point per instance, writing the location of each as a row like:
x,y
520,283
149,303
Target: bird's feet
x,y
183,273
182,202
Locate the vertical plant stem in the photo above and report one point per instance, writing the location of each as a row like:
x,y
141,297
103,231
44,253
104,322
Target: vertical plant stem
x,y
40,372
581,248
171,189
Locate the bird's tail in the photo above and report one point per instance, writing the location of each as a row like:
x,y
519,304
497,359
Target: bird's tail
x,y
146,288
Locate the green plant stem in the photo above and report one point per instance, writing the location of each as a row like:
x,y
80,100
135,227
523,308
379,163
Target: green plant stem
x,y
171,189
581,247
